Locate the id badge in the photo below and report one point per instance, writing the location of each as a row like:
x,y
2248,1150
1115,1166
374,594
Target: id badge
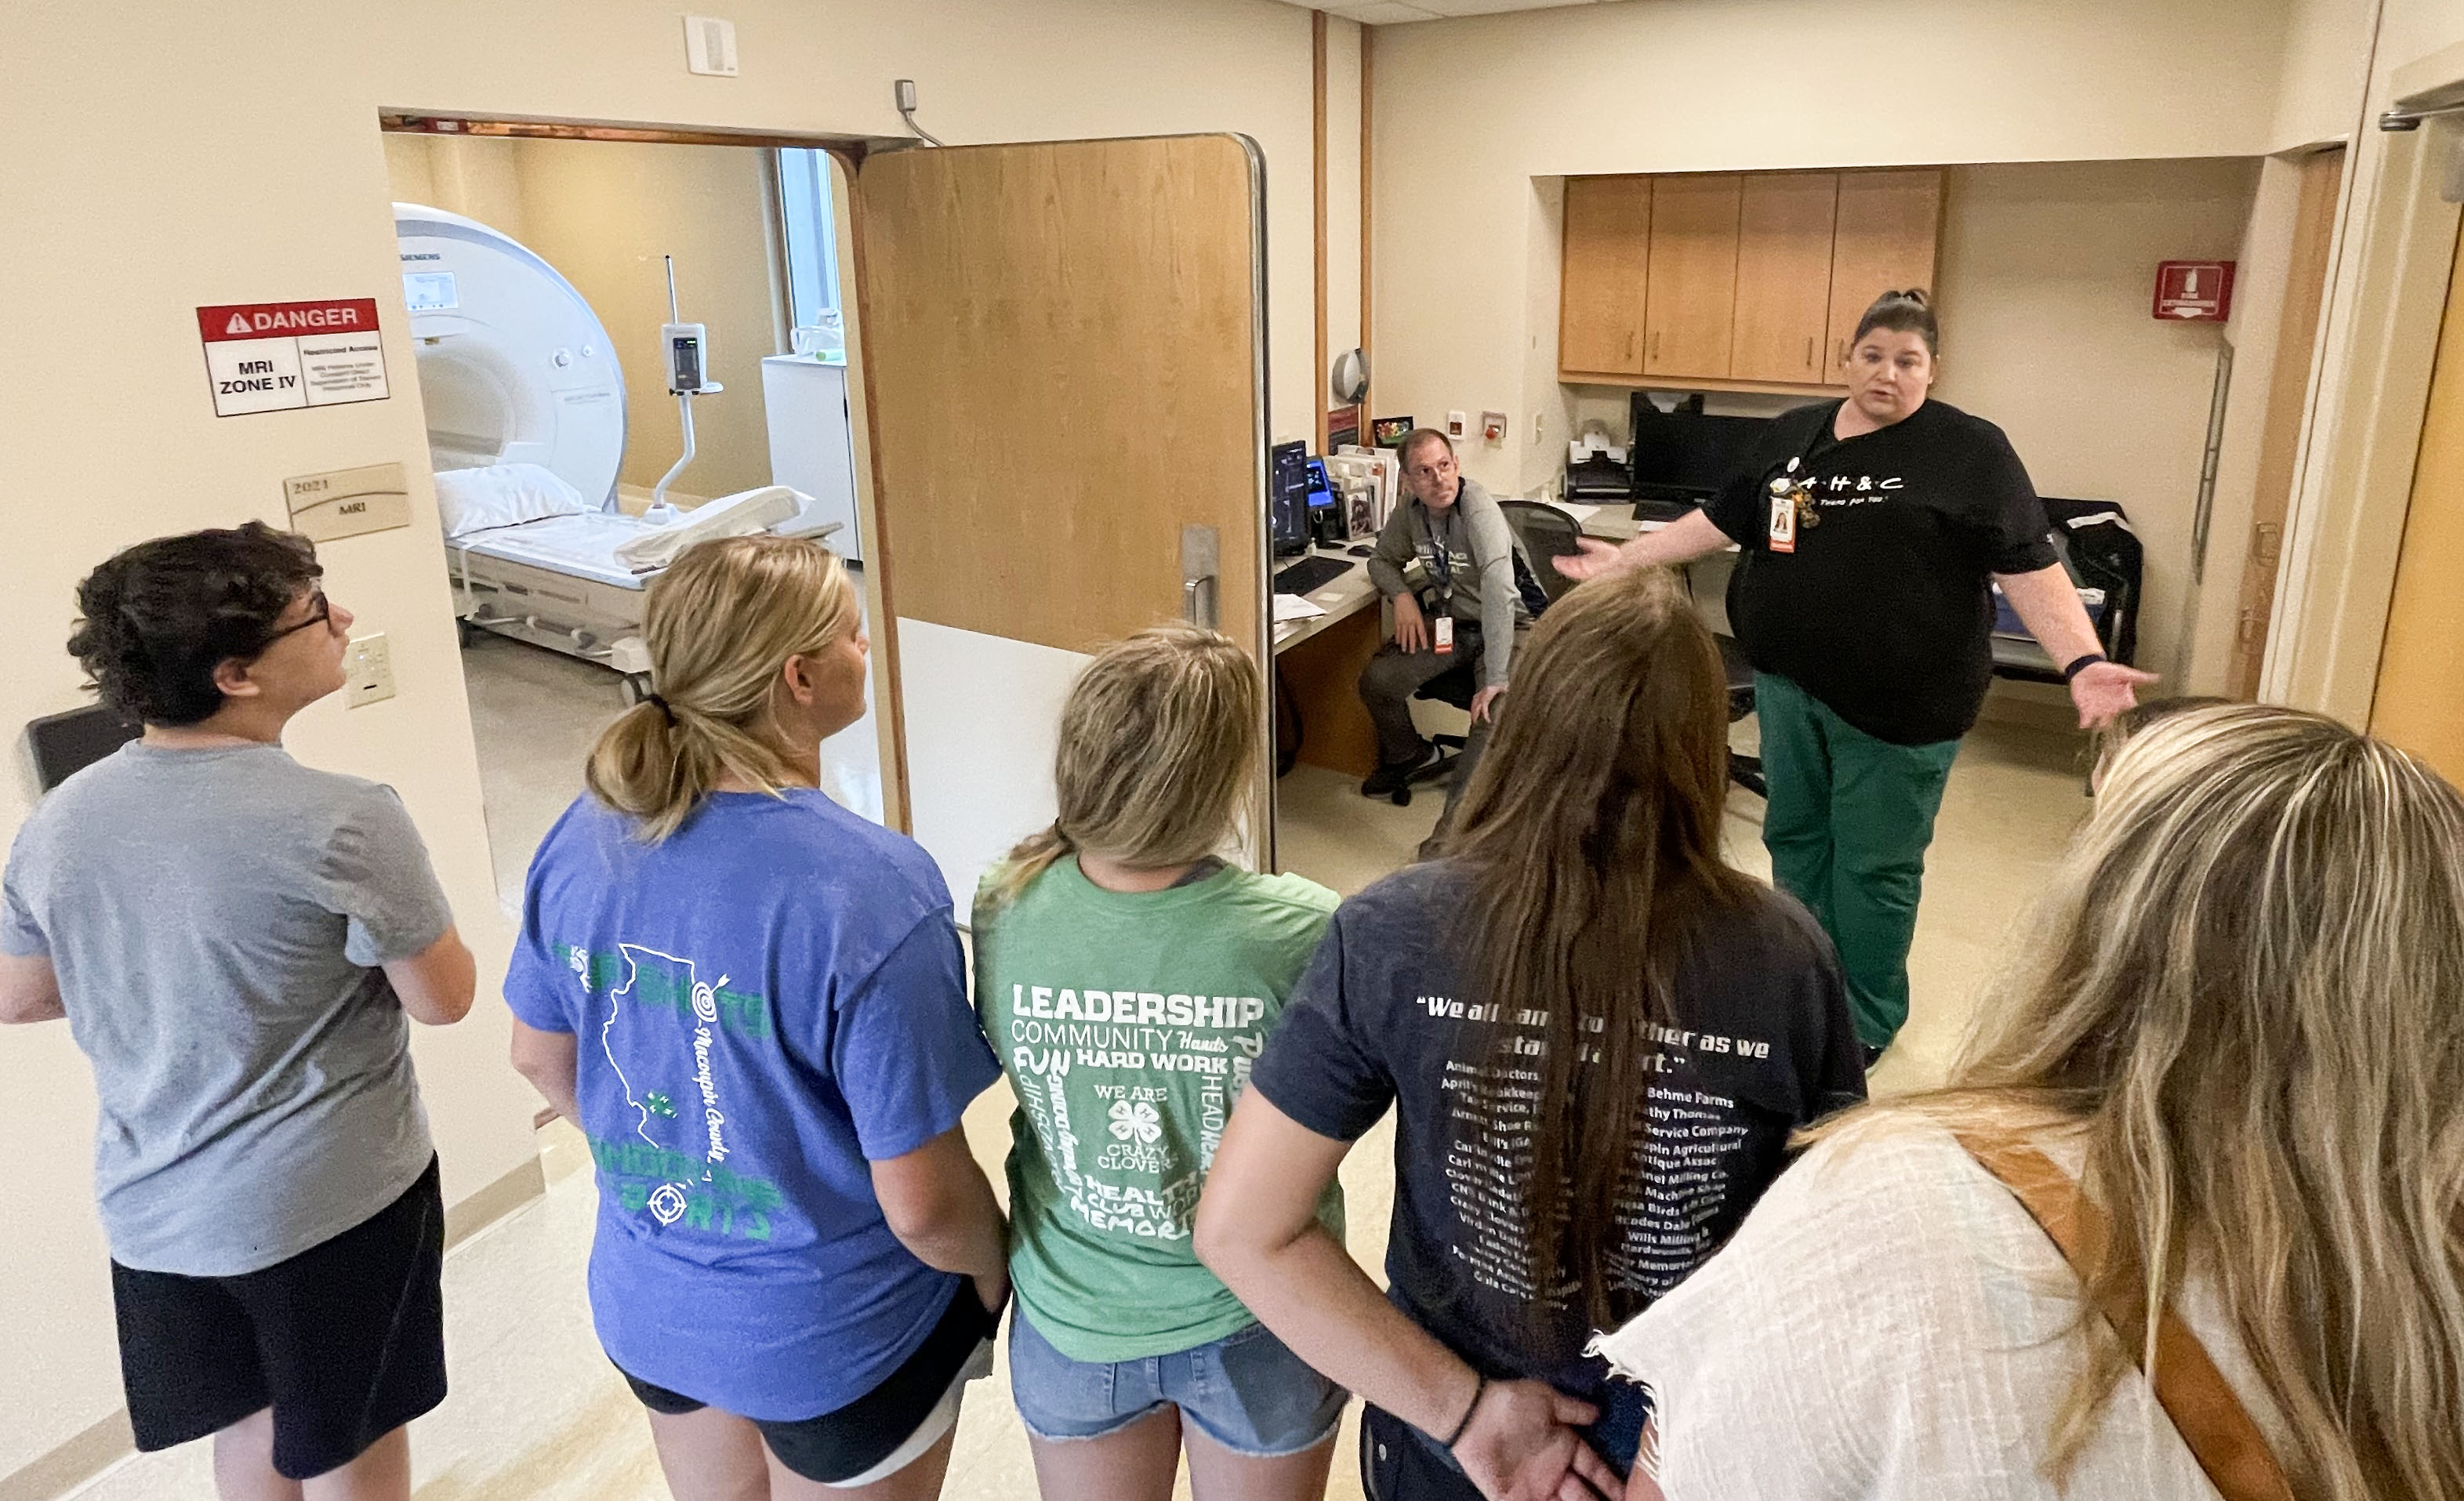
x,y
1783,523
1441,637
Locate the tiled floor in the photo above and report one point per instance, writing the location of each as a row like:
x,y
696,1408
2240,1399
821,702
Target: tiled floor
x,y
537,1414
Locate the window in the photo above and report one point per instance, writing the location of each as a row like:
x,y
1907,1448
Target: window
x,y
812,245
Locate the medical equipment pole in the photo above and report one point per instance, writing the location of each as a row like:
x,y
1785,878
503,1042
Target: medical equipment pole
x,y
684,404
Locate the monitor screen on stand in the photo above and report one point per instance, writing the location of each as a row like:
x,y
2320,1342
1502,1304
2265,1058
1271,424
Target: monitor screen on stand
x,y
1688,455
1287,498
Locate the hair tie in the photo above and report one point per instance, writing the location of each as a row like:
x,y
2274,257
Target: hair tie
x,y
661,705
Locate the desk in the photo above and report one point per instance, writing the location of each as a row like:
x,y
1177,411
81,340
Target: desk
x,y
1318,660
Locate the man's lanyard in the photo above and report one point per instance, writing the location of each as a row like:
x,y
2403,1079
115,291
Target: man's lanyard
x,y
1441,553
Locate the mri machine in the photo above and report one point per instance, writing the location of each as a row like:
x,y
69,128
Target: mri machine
x,y
525,407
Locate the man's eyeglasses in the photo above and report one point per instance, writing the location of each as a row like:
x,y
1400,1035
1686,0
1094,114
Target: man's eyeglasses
x,y
320,611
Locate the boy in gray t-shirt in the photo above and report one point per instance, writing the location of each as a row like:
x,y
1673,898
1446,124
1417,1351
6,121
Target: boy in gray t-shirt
x,y
235,941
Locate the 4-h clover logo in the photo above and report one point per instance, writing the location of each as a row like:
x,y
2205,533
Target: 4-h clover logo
x,y
1137,1120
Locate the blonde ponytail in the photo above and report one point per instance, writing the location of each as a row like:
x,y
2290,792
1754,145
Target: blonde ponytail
x,y
720,625
1156,743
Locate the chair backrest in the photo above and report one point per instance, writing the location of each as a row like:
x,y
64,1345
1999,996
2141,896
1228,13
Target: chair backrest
x,y
1545,532
64,745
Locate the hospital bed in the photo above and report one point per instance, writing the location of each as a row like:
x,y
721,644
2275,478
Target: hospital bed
x,y
526,431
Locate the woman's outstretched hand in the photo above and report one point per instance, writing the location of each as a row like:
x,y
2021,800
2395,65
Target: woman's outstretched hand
x,y
1596,558
2104,690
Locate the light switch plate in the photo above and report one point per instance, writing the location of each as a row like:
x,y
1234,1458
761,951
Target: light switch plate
x,y
368,671
710,46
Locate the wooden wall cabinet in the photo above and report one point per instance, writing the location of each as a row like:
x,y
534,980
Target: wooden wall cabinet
x,y
1737,281
1608,259
1686,311
1889,225
1784,269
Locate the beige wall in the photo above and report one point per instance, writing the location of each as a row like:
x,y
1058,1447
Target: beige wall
x,y
2047,275
2326,55
163,156
605,214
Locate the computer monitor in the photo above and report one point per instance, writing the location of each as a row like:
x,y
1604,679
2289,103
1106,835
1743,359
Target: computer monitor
x,y
1689,455
1287,498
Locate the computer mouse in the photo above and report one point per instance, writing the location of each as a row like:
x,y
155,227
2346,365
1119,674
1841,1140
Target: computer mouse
x,y
1360,551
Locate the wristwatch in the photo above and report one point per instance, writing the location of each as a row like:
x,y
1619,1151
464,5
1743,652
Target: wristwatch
x,y
2081,664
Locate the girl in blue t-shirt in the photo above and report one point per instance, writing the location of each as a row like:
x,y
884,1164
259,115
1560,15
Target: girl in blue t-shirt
x,y
752,1004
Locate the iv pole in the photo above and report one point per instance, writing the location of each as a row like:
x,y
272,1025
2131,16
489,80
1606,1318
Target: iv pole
x,y
684,400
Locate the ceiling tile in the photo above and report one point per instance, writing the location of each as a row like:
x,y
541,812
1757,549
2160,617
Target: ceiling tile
x,y
1491,7
1384,13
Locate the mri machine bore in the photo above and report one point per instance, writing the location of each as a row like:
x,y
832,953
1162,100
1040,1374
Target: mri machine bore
x,y
526,431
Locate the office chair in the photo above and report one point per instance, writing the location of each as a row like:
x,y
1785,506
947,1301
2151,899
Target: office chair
x,y
1745,771
1545,532
1455,685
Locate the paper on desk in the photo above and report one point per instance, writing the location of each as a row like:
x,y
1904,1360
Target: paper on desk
x,y
1581,513
1292,607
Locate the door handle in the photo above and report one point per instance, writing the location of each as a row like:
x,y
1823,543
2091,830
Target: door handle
x,y
1655,346
1200,594
1809,352
1629,344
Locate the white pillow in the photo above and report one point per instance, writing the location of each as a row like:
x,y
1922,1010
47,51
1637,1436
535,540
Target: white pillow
x,y
503,495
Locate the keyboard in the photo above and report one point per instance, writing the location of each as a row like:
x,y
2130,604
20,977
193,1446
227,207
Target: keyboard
x,y
1311,574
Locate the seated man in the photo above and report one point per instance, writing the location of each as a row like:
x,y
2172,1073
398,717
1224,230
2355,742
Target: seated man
x,y
1469,610
236,940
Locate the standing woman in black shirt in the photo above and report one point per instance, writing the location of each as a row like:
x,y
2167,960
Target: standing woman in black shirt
x,y
1871,528
1596,1036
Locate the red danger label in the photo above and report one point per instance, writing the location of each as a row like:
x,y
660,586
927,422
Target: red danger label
x,y
287,319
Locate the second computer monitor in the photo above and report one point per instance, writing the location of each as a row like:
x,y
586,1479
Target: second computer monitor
x,y
1689,455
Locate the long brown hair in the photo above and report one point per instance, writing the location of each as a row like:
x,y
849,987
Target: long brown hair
x,y
720,624
1157,738
1592,834
2243,998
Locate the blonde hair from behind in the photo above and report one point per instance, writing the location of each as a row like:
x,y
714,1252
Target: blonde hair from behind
x,y
2244,992
1157,742
721,623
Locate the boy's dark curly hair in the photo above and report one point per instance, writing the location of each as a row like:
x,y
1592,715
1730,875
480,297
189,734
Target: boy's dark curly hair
x,y
156,619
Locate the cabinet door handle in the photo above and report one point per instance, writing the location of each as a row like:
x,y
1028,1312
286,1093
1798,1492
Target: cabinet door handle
x,y
1809,352
1655,344
1629,344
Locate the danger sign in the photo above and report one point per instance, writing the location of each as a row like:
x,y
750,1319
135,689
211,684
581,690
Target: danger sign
x,y
270,356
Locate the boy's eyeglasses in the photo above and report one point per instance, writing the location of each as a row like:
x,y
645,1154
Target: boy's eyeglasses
x,y
320,611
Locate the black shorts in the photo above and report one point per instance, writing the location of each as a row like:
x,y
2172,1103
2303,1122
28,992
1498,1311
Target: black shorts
x,y
842,1444
346,1341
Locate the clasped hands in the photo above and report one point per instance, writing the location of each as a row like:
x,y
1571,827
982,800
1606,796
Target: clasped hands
x,y
1521,1444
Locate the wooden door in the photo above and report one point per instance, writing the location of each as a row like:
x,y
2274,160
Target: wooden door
x,y
1889,228
2420,700
1692,295
1064,352
2288,394
1784,231
1607,259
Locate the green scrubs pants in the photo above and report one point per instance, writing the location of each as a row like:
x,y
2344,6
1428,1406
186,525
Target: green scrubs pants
x,y
1847,823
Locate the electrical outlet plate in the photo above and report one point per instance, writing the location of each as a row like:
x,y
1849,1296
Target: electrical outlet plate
x,y
368,671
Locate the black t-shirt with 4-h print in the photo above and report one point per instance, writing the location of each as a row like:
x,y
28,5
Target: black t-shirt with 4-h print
x,y
1880,606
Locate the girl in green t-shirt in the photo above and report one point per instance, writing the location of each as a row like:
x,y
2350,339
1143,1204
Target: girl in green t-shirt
x,y
1127,978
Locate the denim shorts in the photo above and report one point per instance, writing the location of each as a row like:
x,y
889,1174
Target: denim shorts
x,y
1245,1391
